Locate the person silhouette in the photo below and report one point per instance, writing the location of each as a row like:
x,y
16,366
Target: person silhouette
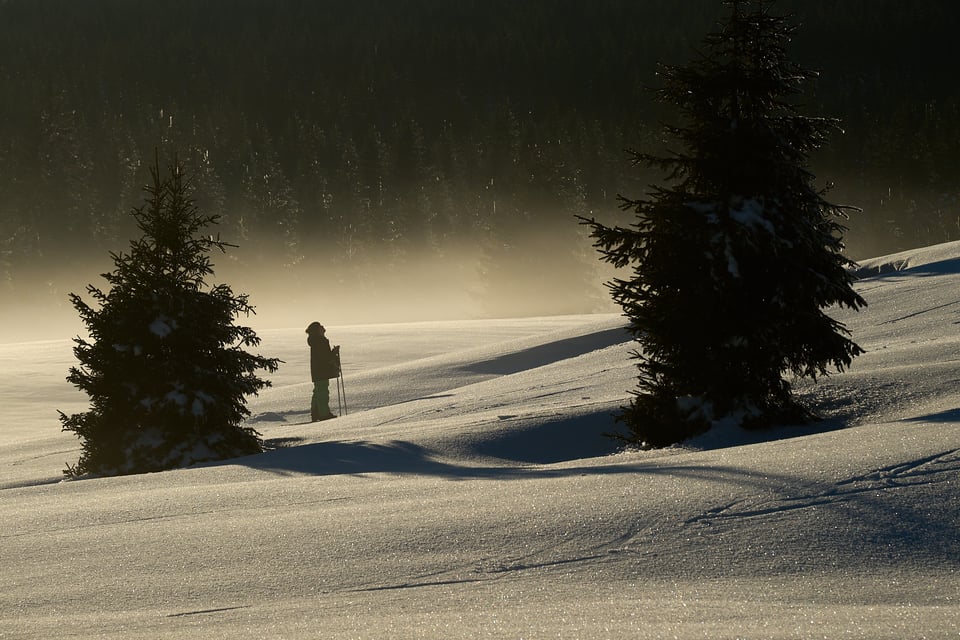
x,y
323,366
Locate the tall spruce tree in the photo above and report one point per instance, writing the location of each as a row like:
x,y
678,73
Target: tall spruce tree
x,y
734,262
165,365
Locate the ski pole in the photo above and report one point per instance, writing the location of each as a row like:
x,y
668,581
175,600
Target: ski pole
x,y
339,406
341,387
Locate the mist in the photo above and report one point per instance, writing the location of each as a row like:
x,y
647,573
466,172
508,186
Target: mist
x,y
427,287
538,276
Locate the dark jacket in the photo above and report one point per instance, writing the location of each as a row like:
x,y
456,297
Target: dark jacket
x,y
323,362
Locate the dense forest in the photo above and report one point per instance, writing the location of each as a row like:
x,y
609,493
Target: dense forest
x,y
400,151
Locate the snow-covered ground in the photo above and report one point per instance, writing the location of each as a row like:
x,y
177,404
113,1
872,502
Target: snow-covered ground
x,y
470,493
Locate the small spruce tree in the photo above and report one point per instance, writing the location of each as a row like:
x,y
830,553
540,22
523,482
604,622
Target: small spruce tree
x,y
734,262
164,366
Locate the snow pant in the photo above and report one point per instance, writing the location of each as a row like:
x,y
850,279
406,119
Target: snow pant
x,y
320,403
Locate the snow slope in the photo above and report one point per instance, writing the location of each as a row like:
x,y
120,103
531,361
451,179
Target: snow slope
x,y
470,493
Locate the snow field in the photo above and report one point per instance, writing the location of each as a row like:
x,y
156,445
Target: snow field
x,y
470,493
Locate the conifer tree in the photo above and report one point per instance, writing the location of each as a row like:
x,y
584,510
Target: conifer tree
x,y
164,366
736,259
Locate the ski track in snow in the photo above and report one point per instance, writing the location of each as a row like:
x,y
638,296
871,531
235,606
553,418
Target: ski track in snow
x,y
938,468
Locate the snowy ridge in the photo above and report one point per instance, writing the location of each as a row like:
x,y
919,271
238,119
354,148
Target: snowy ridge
x,y
470,493
944,255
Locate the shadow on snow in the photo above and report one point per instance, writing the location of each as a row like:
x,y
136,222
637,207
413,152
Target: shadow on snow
x,y
545,354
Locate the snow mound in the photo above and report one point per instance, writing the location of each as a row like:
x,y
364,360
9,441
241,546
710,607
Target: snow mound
x,y
941,258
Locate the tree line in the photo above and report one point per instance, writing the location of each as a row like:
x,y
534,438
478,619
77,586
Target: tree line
x,y
354,138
